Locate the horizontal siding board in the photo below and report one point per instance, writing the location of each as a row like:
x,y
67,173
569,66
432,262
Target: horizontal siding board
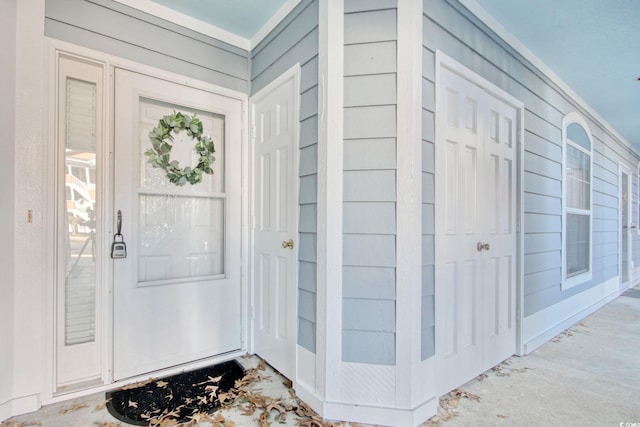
x,y
309,74
308,218
370,26
369,282
307,276
351,6
427,319
604,187
307,334
428,282
303,51
370,154
309,131
428,218
605,224
534,263
369,186
112,21
542,147
535,282
428,188
428,155
308,160
369,217
428,95
358,90
537,203
428,126
427,344
307,247
309,103
264,55
370,58
370,122
428,249
605,212
604,237
541,166
376,348
540,223
539,184
307,305
369,250
542,242
369,315
308,192
607,200
142,55
428,64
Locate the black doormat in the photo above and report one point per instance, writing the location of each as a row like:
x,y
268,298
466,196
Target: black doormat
x,y
178,397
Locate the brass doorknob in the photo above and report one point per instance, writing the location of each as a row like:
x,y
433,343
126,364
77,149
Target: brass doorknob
x,y
287,244
482,246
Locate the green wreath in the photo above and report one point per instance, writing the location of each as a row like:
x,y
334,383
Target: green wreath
x,y
160,153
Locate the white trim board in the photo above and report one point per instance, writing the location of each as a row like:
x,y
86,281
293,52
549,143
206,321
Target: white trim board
x,y
382,416
542,326
19,406
513,41
164,12
330,186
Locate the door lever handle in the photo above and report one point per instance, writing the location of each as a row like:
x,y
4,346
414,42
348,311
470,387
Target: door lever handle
x,y
287,244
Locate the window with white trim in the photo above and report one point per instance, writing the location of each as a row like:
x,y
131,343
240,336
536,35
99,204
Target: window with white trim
x,y
577,185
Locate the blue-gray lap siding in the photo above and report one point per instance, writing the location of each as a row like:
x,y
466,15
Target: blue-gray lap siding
x,y
449,27
111,27
369,208
295,40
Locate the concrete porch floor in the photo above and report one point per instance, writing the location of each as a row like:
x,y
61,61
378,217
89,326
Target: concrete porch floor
x,y
587,376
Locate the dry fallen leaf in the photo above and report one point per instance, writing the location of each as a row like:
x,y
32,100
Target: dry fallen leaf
x,y
133,404
161,384
501,416
102,405
138,384
73,408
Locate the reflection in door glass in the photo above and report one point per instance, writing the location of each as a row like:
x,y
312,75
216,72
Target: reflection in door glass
x,y
180,237
80,191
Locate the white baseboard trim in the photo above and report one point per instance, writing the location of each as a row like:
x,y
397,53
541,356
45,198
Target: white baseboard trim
x,y
19,406
542,326
395,417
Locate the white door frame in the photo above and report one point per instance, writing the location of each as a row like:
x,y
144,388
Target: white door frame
x,y
292,73
50,394
622,168
445,61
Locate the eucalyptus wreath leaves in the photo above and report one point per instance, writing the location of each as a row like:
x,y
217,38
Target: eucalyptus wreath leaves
x,y
160,154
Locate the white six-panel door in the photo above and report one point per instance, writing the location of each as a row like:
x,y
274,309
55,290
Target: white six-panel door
x,y
475,174
275,158
177,294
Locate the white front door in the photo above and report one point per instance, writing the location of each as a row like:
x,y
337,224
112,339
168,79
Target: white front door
x,y
275,158
475,230
177,294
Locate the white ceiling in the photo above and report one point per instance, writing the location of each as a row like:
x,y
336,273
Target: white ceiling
x,y
242,17
592,45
